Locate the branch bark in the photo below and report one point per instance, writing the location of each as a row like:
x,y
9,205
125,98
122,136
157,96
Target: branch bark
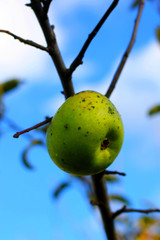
x,y
106,172
17,134
25,41
127,52
53,47
78,59
124,209
103,200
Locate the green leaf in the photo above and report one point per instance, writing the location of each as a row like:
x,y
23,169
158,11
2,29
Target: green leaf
x,y
119,199
9,85
26,151
158,33
135,4
154,110
146,221
60,189
25,159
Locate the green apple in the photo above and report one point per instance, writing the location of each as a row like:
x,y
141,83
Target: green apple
x,y
85,135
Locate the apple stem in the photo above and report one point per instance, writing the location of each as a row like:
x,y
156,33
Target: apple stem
x,y
17,134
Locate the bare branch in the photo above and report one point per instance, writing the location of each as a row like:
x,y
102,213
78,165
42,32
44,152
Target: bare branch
x,y
25,41
127,52
124,209
78,59
46,6
54,51
16,135
106,172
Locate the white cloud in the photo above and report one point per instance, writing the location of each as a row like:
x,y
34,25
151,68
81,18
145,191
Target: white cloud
x,y
16,58
138,87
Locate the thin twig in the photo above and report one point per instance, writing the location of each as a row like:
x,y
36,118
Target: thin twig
x,y
114,172
78,59
25,41
16,135
124,209
127,52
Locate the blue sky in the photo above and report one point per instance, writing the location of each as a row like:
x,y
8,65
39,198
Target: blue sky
x,y
27,210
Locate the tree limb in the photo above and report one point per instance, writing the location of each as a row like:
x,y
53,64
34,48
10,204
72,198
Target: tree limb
x,y
103,204
53,47
25,41
46,6
98,181
106,172
17,134
78,59
124,209
127,52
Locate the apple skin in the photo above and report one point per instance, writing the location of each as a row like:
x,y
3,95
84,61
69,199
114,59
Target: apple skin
x,y
85,135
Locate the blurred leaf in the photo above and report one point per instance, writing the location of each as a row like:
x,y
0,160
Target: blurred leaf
x,y
158,33
111,179
60,189
154,110
26,151
25,160
9,85
146,221
149,228
119,199
135,3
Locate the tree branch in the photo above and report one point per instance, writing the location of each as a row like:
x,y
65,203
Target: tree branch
x,y
127,52
98,181
78,59
53,47
106,172
46,6
102,198
124,209
25,41
16,135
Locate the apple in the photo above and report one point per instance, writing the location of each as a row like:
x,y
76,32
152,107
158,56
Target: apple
x,y
85,135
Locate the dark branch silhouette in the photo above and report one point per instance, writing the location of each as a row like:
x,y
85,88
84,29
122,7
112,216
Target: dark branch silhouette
x,y
127,52
78,59
107,172
52,44
25,41
102,200
124,209
16,135
46,6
